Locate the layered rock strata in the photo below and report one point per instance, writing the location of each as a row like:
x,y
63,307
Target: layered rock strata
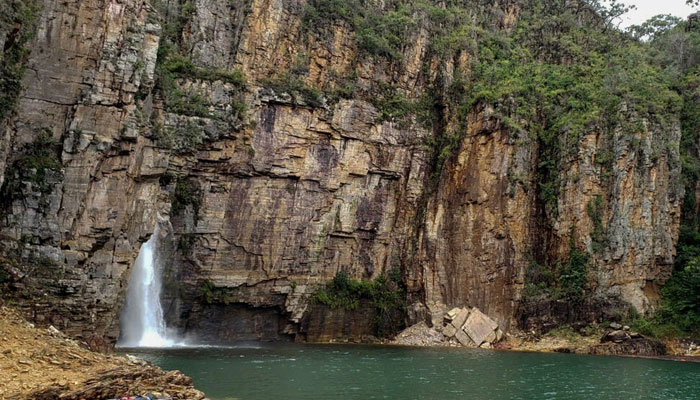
x,y
270,190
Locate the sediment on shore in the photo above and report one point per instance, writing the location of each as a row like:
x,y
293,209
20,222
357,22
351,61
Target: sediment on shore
x,y
42,364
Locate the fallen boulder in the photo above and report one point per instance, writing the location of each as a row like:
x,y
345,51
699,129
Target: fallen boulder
x,y
481,329
471,327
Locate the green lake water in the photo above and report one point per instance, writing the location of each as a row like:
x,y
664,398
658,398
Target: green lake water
x,y
293,371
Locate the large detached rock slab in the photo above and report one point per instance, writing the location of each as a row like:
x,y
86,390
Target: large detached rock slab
x,y
471,328
480,328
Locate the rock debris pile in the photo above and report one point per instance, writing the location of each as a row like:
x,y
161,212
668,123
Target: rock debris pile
x,y
620,340
44,364
467,327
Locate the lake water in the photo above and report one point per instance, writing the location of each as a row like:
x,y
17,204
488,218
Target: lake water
x,y
294,371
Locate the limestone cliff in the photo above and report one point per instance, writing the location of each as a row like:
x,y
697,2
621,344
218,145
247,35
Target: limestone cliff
x,y
270,150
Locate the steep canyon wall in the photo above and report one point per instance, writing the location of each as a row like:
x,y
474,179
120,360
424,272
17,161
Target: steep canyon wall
x,y
233,121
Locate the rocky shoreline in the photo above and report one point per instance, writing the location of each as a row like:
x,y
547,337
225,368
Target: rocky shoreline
x,y
464,327
44,364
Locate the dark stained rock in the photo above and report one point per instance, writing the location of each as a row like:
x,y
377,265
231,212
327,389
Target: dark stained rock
x,y
634,347
616,336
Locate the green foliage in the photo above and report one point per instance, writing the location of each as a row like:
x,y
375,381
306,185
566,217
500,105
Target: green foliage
x,y
35,162
682,298
381,32
573,276
178,66
655,327
21,15
184,196
211,294
594,208
688,246
295,87
387,295
206,290
560,73
565,280
186,242
173,70
183,139
540,281
385,34
4,274
166,179
565,332
654,27
173,66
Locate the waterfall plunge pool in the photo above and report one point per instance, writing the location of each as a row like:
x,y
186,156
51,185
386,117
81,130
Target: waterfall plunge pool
x,y
303,371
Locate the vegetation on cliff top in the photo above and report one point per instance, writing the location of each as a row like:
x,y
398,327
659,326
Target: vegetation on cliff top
x,y
173,69
561,70
676,45
556,72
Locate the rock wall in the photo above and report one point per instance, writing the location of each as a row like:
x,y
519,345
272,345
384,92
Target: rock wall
x,y
269,203
72,238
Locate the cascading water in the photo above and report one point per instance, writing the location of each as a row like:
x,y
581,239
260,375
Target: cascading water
x,y
142,323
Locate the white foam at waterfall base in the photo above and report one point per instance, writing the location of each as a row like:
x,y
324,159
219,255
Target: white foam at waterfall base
x,y
142,323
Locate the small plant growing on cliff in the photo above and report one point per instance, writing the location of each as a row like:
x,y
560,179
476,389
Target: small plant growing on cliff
x,y
186,243
573,275
295,87
211,294
23,15
594,208
206,289
540,280
379,32
33,166
185,195
565,279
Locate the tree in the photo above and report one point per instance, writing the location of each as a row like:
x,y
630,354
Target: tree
x,y
611,11
654,26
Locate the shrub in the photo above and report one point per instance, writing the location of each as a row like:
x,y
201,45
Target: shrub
x,y
206,290
32,166
379,32
681,298
183,139
12,61
295,87
573,276
386,295
185,195
594,208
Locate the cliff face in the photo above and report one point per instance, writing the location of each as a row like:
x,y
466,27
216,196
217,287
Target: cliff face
x,y
270,185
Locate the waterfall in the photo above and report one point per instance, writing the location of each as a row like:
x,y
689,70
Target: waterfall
x,y
142,323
